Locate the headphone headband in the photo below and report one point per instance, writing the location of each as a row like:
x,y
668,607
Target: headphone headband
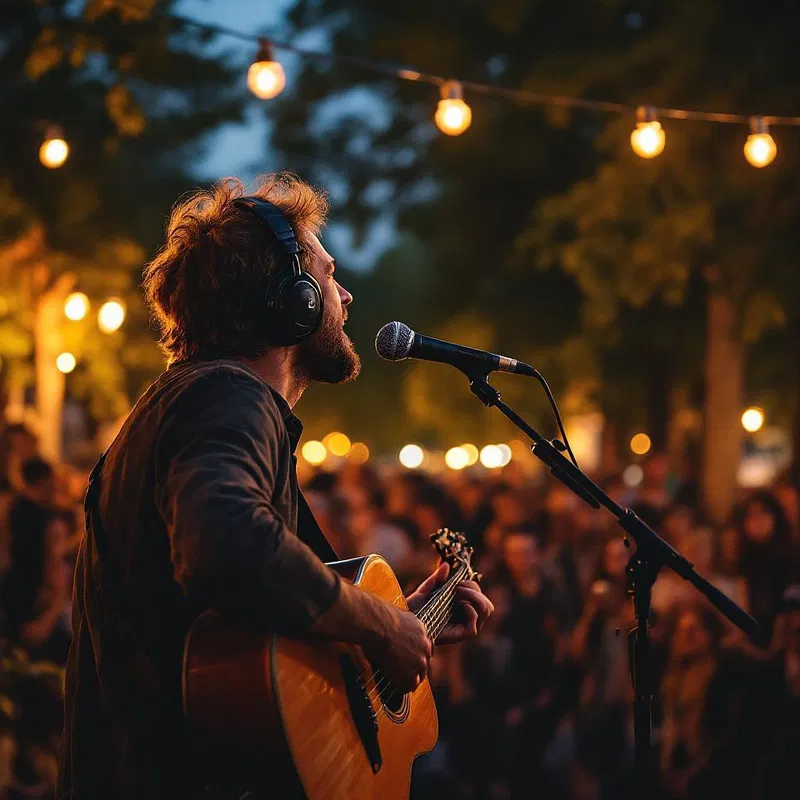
x,y
276,221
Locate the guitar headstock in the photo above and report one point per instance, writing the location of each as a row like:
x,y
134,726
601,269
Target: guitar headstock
x,y
453,547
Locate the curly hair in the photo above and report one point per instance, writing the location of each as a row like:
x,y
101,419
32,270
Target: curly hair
x,y
205,289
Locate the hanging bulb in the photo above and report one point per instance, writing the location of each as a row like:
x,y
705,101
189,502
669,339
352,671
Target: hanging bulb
x,y
54,150
760,148
648,139
266,77
453,116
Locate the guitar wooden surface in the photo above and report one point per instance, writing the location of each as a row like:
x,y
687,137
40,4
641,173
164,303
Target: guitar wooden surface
x,y
290,703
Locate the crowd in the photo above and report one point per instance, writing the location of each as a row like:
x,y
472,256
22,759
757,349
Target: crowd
x,y
539,706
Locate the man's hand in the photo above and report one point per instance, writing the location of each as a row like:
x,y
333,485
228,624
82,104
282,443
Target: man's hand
x,y
471,610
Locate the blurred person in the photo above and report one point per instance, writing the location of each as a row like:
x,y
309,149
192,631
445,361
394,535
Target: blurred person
x,y
196,505
35,587
17,444
654,497
598,649
534,629
508,511
767,557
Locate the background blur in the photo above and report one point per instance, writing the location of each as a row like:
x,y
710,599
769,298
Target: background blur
x,y
659,296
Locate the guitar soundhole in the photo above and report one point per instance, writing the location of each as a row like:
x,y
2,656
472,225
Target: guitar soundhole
x,y
393,701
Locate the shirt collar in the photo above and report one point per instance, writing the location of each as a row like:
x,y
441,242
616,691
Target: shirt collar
x,y
293,425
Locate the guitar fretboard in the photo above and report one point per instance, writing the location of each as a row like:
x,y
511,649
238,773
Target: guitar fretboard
x,y
439,607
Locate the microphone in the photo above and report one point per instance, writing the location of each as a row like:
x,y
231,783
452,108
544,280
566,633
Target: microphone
x,y
396,342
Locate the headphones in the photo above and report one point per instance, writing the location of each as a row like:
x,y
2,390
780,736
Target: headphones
x,y
294,298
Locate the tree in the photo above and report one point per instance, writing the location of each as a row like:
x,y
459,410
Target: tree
x,y
133,93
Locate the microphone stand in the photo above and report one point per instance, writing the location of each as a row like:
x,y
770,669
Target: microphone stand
x,y
651,554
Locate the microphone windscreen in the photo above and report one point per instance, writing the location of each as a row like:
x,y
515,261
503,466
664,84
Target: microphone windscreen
x,y
394,341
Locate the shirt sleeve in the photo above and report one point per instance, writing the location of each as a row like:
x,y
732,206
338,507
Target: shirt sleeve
x,y
220,451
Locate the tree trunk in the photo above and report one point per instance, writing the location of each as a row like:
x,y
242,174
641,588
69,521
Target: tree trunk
x,y
722,434
50,383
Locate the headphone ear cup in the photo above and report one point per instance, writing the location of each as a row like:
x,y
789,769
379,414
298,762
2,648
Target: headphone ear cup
x,y
295,305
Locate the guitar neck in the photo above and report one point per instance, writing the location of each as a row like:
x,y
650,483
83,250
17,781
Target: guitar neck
x,y
439,607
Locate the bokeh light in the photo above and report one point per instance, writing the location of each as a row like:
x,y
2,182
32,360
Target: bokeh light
x,y
632,475
53,152
472,453
492,456
76,306
66,362
640,444
456,458
411,456
358,453
111,316
266,79
753,419
338,444
314,452
760,148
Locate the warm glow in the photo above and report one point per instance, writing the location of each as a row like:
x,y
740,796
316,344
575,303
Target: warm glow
x,y
53,152
492,457
472,453
66,363
358,453
314,452
505,452
411,456
453,116
752,419
456,458
632,475
266,79
760,149
76,306
640,444
337,443
111,316
648,139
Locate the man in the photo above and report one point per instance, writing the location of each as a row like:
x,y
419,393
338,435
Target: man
x,y
196,505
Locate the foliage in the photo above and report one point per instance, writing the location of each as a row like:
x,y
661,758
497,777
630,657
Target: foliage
x,y
134,94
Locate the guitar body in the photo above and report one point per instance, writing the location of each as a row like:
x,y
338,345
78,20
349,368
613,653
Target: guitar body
x,y
309,710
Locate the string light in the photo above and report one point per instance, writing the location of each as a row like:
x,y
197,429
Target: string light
x,y
648,139
491,456
111,316
760,148
472,453
266,77
54,150
66,362
358,453
76,306
338,444
453,116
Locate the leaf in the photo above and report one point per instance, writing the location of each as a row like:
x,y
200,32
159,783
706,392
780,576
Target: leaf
x,y
46,54
124,111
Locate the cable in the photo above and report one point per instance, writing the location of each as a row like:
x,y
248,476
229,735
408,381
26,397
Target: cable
x,y
539,377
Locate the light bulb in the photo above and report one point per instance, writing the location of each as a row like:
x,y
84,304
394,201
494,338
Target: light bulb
x,y
76,306
648,139
453,116
266,77
492,456
54,150
111,316
760,148
640,444
338,444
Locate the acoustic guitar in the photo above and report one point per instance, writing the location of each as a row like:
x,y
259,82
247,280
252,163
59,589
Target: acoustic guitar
x,y
317,714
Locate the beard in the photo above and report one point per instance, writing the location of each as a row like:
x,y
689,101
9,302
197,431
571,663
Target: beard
x,y
329,355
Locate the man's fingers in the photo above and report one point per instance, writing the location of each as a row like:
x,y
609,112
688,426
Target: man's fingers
x,y
472,618
479,601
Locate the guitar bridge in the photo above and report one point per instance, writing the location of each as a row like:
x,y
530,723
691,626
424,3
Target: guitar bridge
x,y
364,716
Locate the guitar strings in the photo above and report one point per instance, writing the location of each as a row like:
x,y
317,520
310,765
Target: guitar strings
x,y
434,615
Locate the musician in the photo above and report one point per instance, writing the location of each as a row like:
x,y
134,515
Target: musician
x,y
195,505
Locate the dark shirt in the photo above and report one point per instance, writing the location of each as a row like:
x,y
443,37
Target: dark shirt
x,y
197,508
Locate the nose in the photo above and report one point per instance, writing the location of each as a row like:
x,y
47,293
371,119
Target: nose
x,y
344,295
